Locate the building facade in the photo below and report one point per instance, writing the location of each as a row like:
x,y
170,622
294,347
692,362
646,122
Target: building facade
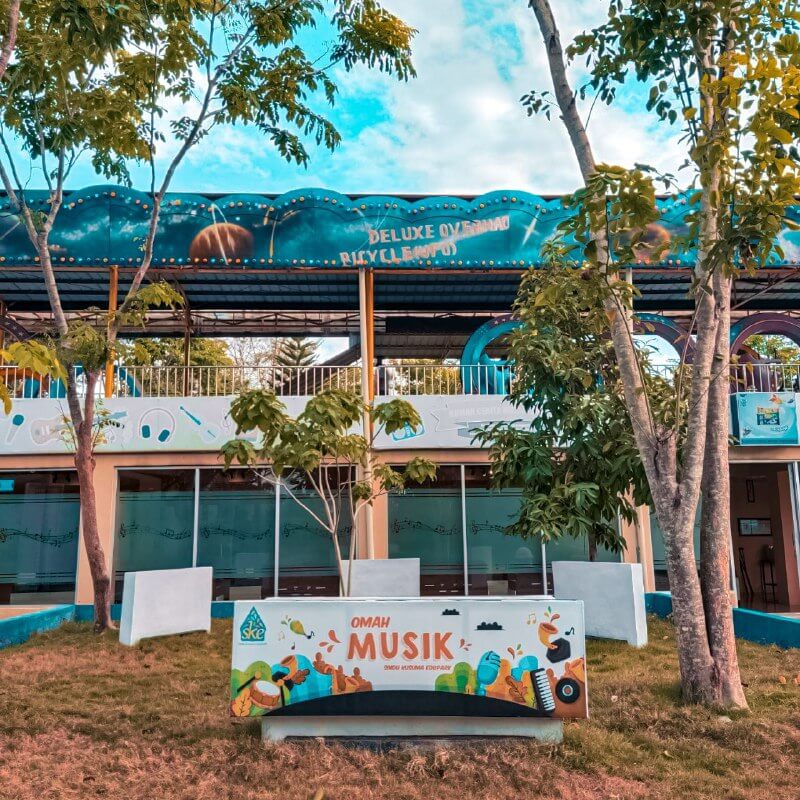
x,y
409,281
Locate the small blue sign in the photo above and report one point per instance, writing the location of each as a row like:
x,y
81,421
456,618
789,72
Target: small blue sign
x,y
6,484
765,418
253,630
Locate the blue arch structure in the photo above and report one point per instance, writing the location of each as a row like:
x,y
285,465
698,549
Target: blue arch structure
x,y
481,374
779,324
669,330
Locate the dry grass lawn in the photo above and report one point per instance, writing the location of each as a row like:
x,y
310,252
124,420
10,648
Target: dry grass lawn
x,y
83,717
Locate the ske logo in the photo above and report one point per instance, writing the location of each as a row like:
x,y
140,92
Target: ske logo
x,y
253,628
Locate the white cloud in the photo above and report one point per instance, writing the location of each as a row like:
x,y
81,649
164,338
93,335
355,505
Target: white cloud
x,y
458,128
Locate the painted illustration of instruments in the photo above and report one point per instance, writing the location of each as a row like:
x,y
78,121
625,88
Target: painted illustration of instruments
x,y
13,427
47,430
542,692
115,426
407,432
209,433
158,424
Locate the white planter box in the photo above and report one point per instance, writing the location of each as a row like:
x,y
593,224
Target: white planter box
x,y
612,594
384,577
165,601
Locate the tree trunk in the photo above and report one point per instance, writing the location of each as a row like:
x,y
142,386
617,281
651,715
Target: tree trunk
x,y
12,21
694,655
715,528
675,486
85,464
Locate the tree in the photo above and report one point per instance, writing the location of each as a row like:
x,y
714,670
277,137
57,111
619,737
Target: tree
x,y
729,74
169,352
252,352
424,376
576,460
296,351
319,446
773,346
9,34
106,79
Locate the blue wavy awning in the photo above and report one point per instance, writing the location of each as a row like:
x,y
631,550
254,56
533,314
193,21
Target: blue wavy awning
x,y
318,228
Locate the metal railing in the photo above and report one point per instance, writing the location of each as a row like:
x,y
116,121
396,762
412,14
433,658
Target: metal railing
x,y
393,380
221,381
760,377
408,380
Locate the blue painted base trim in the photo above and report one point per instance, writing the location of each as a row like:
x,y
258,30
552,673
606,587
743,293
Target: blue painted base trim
x,y
16,630
756,626
85,612
753,626
220,609
658,603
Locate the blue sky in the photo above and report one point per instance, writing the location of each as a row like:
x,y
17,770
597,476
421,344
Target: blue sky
x,y
457,128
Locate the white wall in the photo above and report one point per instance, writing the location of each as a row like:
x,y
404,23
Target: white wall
x,y
165,601
612,594
386,577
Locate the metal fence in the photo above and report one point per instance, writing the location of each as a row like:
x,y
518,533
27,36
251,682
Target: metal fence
x,y
408,380
761,377
394,380
220,381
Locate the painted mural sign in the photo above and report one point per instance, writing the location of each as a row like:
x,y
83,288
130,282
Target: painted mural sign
x,y
765,418
102,225
138,424
528,653
184,424
451,420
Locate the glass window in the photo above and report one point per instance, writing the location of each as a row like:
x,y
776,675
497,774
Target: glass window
x,y
236,533
39,524
155,521
499,563
307,563
425,522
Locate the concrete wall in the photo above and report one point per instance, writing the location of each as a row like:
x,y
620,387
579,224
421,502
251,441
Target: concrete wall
x,y
165,601
612,595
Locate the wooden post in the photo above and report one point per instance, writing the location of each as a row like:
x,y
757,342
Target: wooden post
x,y
370,291
2,328
113,291
187,348
364,305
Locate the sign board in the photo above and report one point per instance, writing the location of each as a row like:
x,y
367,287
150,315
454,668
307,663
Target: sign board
x,y
450,420
139,425
469,656
104,225
185,424
765,418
